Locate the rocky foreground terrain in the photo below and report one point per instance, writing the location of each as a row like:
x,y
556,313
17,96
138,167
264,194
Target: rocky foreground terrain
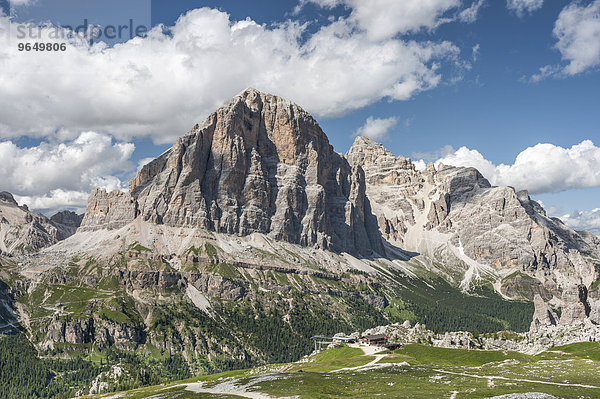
x,y
251,234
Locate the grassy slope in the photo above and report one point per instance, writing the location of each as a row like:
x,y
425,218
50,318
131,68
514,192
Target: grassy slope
x,y
332,359
268,326
432,373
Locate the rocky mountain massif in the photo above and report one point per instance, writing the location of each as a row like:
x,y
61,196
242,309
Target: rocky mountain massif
x,y
258,164
251,234
475,231
262,164
454,215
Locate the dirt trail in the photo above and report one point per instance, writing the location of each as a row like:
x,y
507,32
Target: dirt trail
x,y
493,377
226,388
368,351
231,387
364,366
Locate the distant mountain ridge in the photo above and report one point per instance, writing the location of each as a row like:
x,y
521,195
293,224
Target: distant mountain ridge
x,y
455,216
23,231
261,164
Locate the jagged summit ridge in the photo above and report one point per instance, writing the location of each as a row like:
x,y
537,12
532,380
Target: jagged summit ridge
x,y
456,217
258,164
262,164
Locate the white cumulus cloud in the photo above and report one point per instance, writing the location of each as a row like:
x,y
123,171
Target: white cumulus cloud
x,y
160,86
578,32
543,168
55,176
383,19
521,7
583,220
21,2
54,201
376,128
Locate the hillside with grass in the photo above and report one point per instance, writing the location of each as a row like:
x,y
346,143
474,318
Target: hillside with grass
x,y
161,318
413,371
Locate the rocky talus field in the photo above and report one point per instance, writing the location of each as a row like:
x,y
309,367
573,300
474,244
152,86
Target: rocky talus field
x,y
252,234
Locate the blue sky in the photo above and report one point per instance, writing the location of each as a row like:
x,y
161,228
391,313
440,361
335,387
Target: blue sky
x,y
482,88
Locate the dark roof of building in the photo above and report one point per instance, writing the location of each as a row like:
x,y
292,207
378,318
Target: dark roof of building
x,y
378,336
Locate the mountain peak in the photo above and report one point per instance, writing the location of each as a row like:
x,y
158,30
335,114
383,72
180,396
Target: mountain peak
x,y
262,164
364,140
368,153
22,231
362,143
250,90
5,196
256,99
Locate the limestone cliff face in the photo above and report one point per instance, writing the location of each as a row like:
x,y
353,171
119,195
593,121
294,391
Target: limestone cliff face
x,y
454,215
67,218
575,304
67,222
108,210
258,164
543,316
104,333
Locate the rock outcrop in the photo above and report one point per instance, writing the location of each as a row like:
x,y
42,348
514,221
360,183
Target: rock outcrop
x,y
67,218
594,315
258,164
104,333
575,304
543,316
7,198
532,342
106,380
68,222
108,210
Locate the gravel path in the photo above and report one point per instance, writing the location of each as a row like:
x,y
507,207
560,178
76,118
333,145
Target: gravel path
x,y
232,387
364,366
493,377
368,351
527,395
